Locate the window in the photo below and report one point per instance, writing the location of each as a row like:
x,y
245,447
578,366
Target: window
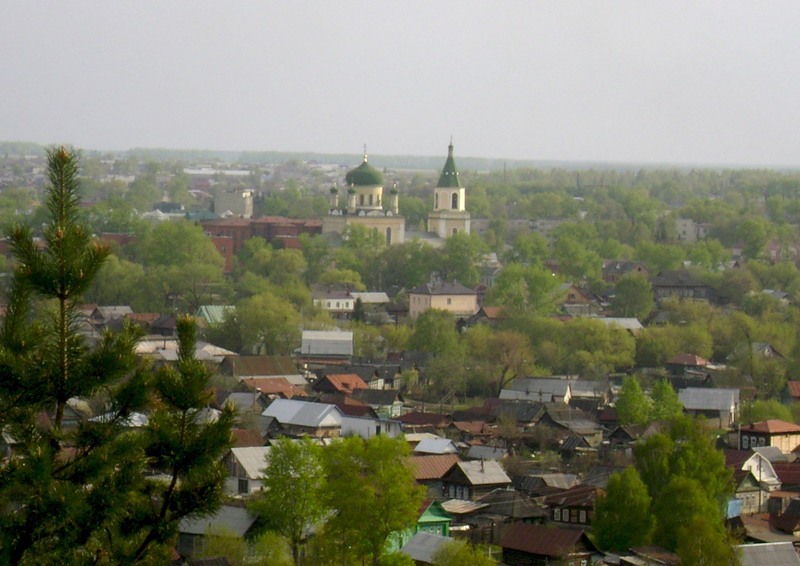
x,y
557,515
745,442
361,199
583,517
454,201
449,301
371,197
243,485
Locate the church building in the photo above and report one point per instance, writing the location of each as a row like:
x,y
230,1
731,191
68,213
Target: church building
x,y
449,214
364,205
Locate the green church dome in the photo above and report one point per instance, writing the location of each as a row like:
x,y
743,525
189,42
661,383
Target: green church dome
x,y
364,175
449,177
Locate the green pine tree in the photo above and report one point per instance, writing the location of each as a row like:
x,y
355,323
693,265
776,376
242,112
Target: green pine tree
x,y
75,493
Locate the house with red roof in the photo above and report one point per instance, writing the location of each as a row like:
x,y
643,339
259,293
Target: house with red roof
x,y
430,469
682,363
417,421
339,383
791,392
526,545
772,432
274,387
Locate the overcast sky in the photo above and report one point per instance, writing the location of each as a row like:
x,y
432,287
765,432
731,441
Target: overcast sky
x,y
639,81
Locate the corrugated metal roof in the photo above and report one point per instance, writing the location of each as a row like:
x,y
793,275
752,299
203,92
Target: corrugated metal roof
x,y
432,466
436,446
462,506
214,314
327,342
554,386
304,413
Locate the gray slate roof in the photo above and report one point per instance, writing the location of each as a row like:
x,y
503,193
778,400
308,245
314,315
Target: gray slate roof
x,y
371,297
327,343
552,386
484,472
478,452
445,288
631,324
768,554
252,459
423,546
706,399
237,520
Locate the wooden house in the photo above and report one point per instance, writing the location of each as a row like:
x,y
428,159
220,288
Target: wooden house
x,y
430,471
245,467
470,480
719,406
229,521
534,545
772,432
339,383
574,506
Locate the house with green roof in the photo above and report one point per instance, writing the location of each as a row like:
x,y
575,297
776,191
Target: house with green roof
x,y
213,314
433,519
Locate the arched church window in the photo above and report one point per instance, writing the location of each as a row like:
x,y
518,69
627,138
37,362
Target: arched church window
x,y
455,231
371,200
361,199
454,204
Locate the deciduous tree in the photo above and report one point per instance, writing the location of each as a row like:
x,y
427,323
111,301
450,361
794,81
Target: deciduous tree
x,y
633,405
622,516
372,493
291,502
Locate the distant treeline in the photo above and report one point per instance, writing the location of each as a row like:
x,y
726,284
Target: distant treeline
x,y
404,162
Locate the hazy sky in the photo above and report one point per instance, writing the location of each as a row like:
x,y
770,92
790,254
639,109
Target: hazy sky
x,y
638,81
